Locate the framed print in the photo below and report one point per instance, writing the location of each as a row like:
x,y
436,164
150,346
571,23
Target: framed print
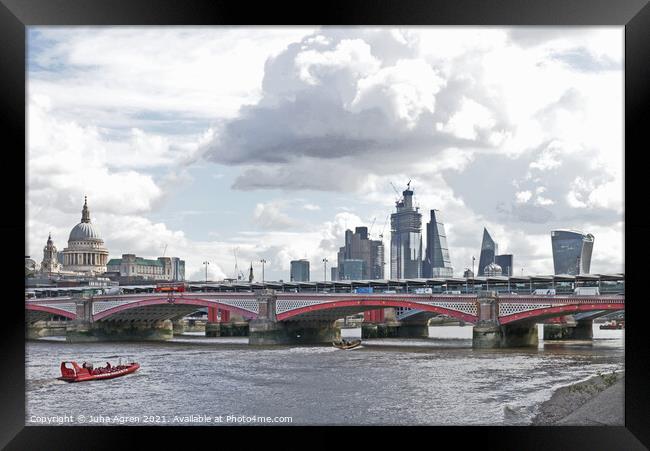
x,y
395,214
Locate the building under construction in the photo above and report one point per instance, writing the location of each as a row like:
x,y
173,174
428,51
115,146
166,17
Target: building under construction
x,y
406,238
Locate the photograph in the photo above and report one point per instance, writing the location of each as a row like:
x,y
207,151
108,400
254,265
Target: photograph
x,y
324,225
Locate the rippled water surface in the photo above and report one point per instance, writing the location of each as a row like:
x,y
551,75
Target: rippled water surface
x,y
386,381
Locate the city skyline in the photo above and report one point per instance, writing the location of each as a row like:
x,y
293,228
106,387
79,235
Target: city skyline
x,y
162,165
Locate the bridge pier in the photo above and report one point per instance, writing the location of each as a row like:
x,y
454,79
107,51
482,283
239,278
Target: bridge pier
x,y
519,335
235,329
583,330
293,332
227,329
86,331
488,333
178,327
380,323
508,336
413,330
380,330
267,330
40,329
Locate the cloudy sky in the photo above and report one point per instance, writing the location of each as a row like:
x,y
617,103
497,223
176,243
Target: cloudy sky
x,y
271,141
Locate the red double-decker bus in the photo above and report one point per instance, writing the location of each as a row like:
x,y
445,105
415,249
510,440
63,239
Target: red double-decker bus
x,y
175,287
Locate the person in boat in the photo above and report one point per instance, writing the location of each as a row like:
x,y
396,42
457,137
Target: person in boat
x,y
108,366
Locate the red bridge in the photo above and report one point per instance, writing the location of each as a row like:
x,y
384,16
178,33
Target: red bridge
x,y
294,311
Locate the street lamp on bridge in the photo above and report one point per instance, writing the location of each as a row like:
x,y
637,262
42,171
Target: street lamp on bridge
x,y
206,263
473,283
262,261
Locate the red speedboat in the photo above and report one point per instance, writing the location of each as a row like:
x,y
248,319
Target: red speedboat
x,y
72,372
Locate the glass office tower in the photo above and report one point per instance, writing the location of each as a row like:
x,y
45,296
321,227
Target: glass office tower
x,y
489,250
571,251
506,263
436,259
299,271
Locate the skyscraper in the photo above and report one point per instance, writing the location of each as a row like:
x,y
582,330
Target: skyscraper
x,y
571,251
406,239
351,269
506,263
489,251
299,271
436,259
358,246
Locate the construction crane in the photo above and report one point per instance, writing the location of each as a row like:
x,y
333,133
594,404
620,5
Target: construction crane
x,y
371,225
238,274
164,249
381,235
399,196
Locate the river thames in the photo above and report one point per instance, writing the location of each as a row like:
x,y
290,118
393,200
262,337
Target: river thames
x,y
436,381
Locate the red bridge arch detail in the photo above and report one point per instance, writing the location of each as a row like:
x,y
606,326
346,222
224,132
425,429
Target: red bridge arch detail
x,y
176,301
376,303
558,310
52,310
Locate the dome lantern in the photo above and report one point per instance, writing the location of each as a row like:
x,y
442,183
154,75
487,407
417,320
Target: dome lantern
x,y
85,213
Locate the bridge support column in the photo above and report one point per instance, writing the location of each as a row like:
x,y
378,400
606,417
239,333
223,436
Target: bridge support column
x,y
85,331
178,327
212,329
213,326
293,332
583,330
380,323
519,335
413,330
222,324
234,329
40,329
508,336
488,333
267,330
380,330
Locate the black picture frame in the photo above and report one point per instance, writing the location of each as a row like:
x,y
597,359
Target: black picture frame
x,y
16,15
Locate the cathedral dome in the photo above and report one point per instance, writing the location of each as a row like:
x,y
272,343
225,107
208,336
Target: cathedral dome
x,y
86,252
84,231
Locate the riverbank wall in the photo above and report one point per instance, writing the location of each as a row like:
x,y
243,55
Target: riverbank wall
x,y
598,401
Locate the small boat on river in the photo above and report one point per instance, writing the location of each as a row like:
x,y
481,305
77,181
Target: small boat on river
x,y
72,372
345,344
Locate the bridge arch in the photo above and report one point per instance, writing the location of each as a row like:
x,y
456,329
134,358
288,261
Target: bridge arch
x,y
550,312
180,301
350,307
52,310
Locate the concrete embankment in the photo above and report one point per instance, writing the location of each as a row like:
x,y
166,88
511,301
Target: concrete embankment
x,y
597,401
